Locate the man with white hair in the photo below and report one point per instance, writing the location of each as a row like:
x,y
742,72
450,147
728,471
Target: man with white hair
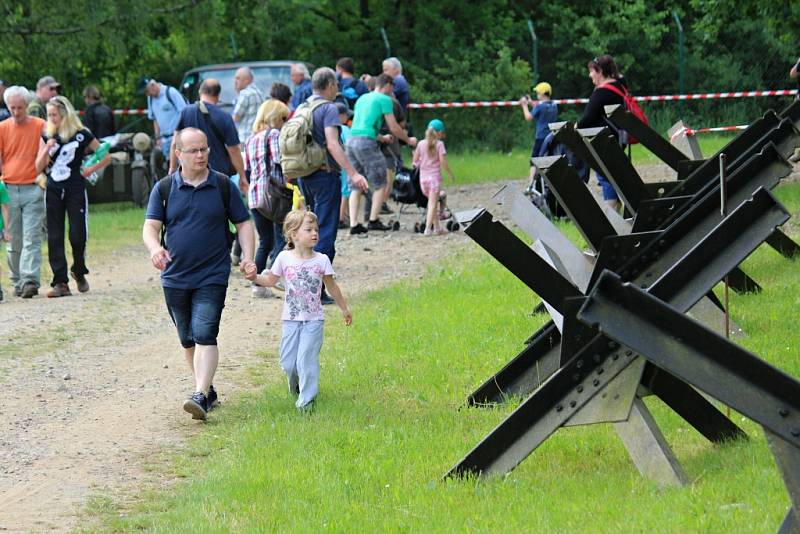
x,y
20,139
394,68
247,102
302,85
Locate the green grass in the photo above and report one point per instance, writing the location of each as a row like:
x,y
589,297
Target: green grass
x,y
388,426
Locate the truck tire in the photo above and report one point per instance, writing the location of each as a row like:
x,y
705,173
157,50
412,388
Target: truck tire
x,y
140,187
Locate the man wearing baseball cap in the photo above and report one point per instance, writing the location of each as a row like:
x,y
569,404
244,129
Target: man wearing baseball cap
x,y
46,88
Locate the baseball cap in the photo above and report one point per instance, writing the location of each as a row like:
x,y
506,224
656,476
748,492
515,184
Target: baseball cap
x,y
141,84
437,125
47,81
544,88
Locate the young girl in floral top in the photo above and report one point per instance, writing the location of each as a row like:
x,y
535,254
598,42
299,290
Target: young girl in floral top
x,y
304,271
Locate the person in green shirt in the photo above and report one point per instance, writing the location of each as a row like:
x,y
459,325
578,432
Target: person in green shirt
x,y
4,235
363,151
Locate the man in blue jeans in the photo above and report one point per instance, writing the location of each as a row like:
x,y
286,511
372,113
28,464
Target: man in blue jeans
x,y
322,189
194,262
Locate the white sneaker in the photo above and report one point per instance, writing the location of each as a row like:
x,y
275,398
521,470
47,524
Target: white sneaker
x,y
261,292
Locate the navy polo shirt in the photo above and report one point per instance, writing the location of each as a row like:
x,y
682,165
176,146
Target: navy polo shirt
x,y
196,222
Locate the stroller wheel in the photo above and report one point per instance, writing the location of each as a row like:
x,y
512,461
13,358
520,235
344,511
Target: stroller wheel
x,y
453,226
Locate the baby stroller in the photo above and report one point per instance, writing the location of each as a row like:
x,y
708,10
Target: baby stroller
x,y
407,192
541,195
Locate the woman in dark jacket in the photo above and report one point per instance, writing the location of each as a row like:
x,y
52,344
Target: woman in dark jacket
x,y
603,72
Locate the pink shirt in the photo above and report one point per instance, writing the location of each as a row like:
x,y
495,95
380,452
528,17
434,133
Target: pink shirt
x,y
303,284
429,167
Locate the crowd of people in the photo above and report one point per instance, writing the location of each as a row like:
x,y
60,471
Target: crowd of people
x,y
352,127
43,148
242,168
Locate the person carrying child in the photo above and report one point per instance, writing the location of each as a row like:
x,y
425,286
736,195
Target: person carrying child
x,y
304,271
544,112
430,157
4,234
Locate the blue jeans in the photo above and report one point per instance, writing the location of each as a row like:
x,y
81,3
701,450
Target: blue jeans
x,y
270,240
609,193
266,239
323,192
196,313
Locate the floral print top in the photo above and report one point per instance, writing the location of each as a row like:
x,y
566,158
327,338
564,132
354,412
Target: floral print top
x,y
303,284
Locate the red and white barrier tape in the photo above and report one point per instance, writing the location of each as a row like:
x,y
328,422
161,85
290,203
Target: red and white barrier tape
x,y
690,132
569,101
562,101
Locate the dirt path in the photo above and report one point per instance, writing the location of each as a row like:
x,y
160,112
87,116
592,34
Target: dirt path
x,y
91,385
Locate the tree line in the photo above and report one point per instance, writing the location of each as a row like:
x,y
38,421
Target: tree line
x,y
450,50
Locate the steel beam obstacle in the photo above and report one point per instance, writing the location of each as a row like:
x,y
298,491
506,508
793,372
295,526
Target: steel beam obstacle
x,y
570,372
677,344
585,387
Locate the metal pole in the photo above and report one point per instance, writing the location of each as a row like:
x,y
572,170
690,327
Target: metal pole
x,y
723,210
535,51
681,51
234,48
386,42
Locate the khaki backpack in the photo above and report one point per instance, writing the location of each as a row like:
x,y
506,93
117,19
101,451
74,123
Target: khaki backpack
x,y
300,154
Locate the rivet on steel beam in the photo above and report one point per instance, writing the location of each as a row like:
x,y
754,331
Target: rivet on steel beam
x,y
783,412
579,389
595,382
572,404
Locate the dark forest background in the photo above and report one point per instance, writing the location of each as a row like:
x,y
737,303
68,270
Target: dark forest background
x,y
451,50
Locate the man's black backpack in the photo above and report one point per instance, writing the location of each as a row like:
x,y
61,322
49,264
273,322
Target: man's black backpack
x,y
165,186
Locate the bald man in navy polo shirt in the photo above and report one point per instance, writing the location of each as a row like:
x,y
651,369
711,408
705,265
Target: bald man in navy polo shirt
x,y
195,263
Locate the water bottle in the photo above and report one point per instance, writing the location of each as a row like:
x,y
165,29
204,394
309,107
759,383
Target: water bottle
x,y
98,155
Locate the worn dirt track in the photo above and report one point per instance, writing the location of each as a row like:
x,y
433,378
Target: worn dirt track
x,y
91,385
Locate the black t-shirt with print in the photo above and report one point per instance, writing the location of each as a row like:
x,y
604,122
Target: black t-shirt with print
x,y
66,159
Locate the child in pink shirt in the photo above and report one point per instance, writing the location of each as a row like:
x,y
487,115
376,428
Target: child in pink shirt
x,y
304,271
430,157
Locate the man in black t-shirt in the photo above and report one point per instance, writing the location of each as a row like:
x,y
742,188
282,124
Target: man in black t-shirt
x,y
98,117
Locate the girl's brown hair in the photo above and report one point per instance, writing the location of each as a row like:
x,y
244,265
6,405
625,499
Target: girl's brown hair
x,y
293,221
605,65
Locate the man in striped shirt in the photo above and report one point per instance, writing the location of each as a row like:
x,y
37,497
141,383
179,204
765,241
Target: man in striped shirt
x,y
247,102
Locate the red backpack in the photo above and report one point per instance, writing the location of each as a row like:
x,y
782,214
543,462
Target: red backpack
x,y
630,104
